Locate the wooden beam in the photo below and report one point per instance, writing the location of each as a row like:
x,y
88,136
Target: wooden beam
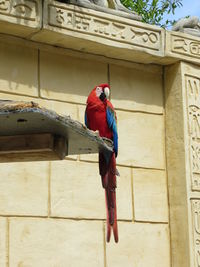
x,y
32,147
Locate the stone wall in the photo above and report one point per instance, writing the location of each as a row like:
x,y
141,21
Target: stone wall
x,y
53,213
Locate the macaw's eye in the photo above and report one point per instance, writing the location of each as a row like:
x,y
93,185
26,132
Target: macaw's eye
x,y
98,91
107,92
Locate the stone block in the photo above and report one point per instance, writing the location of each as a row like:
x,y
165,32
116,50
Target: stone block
x,y
76,191
139,245
182,46
21,18
75,78
124,194
138,89
3,242
47,242
150,195
24,188
141,140
18,69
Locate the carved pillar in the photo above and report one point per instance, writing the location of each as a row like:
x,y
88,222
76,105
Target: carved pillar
x,y
182,98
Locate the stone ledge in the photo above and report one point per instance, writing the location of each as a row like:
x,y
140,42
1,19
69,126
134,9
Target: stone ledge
x,y
28,118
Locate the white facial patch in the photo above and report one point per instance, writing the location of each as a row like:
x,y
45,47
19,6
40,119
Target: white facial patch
x,y
107,92
98,91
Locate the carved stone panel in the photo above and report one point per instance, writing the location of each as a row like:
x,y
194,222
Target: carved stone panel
x,y
193,110
21,13
70,18
87,30
19,9
196,230
183,46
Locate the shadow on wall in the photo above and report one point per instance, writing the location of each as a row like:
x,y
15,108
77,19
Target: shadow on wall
x,y
71,79
137,88
68,78
18,69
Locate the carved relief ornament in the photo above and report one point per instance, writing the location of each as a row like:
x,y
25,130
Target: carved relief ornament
x,y
23,9
193,109
185,46
69,19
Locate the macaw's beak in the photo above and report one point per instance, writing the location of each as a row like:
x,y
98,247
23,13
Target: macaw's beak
x,y
102,96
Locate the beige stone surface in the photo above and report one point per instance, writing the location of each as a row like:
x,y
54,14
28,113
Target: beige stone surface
x,y
24,188
3,242
140,245
75,78
20,18
182,46
46,242
18,69
92,31
150,195
176,167
76,191
186,94
137,89
124,194
141,139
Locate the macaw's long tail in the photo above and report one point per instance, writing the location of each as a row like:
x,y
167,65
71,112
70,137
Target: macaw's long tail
x,y
107,168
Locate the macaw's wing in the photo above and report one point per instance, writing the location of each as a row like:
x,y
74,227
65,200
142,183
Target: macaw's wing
x,y
112,124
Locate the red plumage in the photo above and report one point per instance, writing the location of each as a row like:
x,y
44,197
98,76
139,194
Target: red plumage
x,y
96,119
96,114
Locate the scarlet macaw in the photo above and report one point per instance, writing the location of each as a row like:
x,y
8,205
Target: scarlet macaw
x,y
100,115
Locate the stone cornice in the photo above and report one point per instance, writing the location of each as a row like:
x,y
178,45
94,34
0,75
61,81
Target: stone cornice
x,y
86,30
20,17
183,46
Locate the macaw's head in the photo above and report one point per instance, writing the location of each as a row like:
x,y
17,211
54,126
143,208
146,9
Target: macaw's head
x,y
103,91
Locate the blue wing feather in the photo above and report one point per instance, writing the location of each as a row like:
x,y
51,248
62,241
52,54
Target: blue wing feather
x,y
112,124
86,120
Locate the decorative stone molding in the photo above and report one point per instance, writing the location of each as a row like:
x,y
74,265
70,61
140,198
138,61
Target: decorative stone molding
x,y
20,17
90,31
196,230
96,25
26,10
193,110
182,83
192,107
183,46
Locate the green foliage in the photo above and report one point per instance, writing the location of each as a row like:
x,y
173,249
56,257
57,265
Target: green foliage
x,y
153,11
